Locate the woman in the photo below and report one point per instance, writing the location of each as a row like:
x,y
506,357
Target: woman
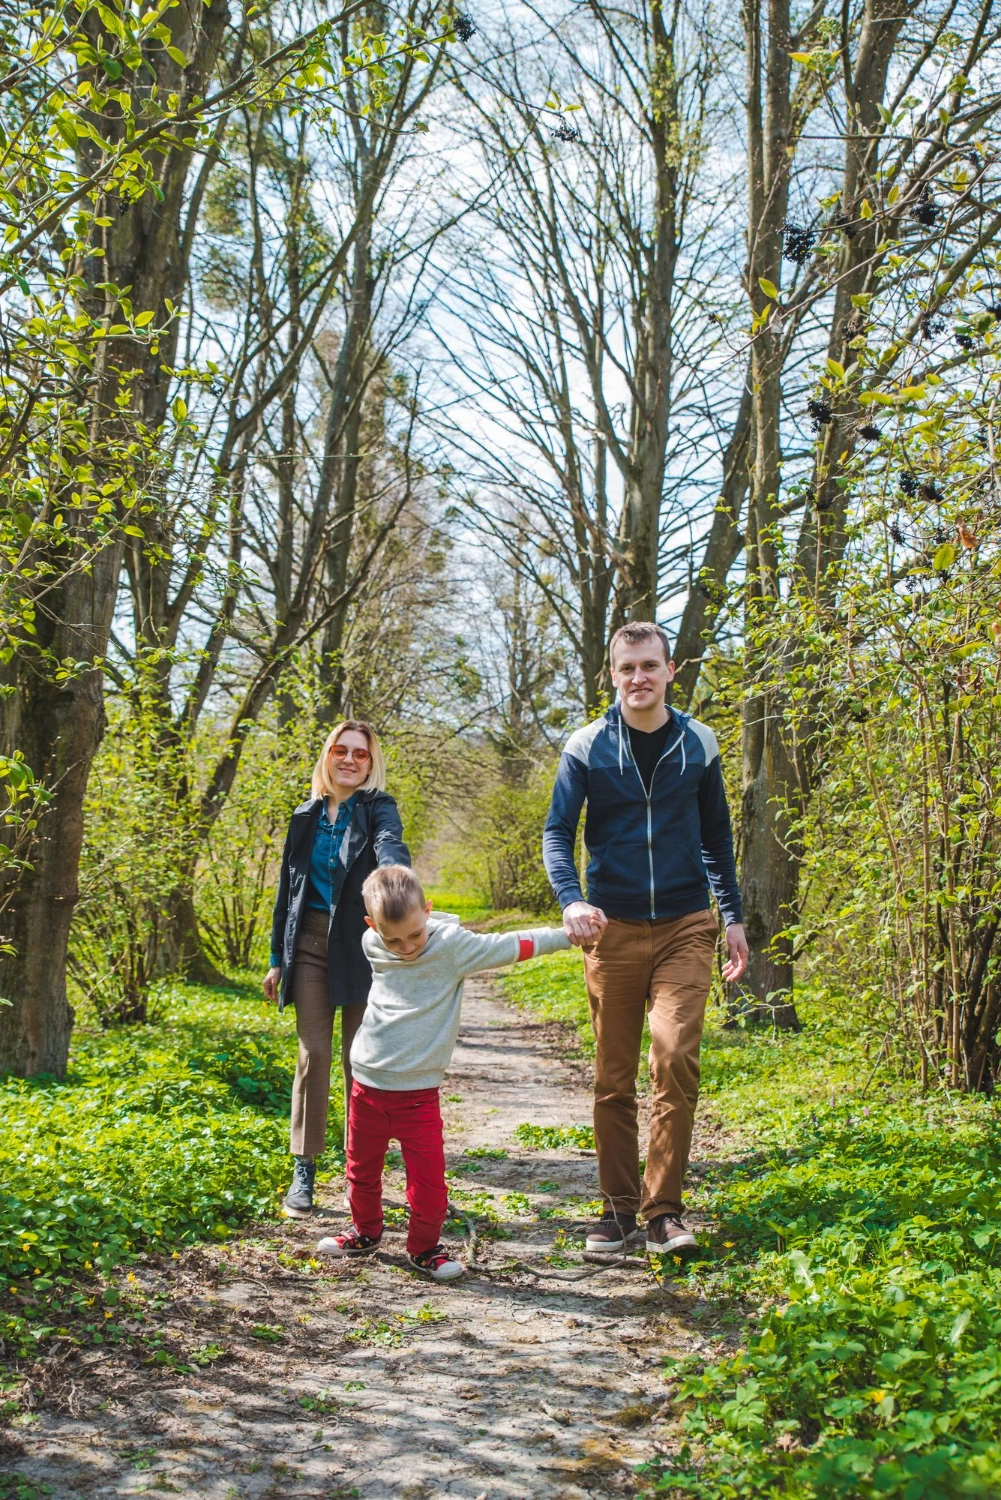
x,y
348,827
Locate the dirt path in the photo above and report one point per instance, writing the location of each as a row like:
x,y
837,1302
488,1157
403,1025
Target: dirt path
x,y
536,1376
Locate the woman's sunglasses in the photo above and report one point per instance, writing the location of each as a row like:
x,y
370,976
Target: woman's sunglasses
x,y
347,752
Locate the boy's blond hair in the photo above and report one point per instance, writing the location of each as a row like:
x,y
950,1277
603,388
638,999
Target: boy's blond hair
x,y
391,892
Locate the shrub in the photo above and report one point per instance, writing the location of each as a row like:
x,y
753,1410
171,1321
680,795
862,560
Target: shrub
x,y
866,1236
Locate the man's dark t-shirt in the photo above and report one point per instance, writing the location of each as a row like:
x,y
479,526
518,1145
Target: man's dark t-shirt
x,y
647,749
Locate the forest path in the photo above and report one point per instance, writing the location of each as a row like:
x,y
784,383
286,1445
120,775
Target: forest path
x,y
535,1376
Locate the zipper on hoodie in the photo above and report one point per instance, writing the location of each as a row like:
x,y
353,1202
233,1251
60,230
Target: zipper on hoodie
x,y
649,806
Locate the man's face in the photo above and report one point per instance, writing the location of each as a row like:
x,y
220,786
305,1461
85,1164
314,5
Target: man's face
x,y
407,937
641,672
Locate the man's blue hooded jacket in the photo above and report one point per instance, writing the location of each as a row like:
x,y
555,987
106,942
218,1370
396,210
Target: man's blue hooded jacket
x,y
650,856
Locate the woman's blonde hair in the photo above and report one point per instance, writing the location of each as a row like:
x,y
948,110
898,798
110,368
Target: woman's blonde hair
x,y
375,781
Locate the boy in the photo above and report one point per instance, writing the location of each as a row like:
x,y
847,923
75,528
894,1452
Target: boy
x,y
400,1052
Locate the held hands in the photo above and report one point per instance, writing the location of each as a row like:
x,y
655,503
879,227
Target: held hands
x,y
270,984
583,923
736,944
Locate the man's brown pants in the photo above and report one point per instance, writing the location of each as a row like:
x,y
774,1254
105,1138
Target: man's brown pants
x,y
665,965
314,1021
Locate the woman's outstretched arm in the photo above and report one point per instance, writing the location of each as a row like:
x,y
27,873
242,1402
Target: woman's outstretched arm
x,y
387,833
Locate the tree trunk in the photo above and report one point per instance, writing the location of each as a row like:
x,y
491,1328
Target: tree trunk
x,y
769,868
768,879
181,950
777,778
58,726
342,462
722,549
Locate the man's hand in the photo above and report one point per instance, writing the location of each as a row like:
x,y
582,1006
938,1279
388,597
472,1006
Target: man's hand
x,y
270,985
736,944
583,923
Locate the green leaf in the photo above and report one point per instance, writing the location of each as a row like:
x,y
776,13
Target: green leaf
x,y
66,125
768,287
179,408
177,55
944,557
959,1326
835,368
144,319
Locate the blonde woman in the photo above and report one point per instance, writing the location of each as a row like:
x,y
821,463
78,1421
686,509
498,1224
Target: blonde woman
x,y
347,828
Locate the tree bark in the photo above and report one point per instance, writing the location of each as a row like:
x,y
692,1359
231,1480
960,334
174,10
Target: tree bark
x,y
58,724
181,950
723,546
768,881
779,772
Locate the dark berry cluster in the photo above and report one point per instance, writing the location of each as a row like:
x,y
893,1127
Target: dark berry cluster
x,y
797,243
926,210
845,223
930,326
464,26
907,481
870,432
819,413
964,340
897,534
565,131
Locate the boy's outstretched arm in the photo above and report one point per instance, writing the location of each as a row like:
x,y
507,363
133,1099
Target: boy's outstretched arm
x,y
490,950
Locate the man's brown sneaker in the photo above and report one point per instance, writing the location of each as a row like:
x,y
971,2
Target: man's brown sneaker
x,y
667,1235
613,1233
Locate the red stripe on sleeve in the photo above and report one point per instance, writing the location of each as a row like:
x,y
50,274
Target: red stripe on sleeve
x,y
526,948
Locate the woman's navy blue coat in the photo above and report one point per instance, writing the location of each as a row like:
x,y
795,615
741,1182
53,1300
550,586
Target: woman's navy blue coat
x,y
375,837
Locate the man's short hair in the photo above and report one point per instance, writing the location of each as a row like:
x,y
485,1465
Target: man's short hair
x,y
636,631
391,892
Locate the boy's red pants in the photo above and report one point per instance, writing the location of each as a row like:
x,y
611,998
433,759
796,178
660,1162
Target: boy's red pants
x,y
413,1117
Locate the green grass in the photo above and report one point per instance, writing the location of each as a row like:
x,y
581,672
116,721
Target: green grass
x,y
466,908
857,1243
160,1135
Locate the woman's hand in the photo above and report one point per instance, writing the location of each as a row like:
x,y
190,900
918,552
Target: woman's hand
x,y
270,985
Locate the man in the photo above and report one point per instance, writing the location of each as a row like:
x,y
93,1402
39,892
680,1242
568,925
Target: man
x,y
658,835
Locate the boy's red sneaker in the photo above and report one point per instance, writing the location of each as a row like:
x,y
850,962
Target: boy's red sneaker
x,y
437,1263
349,1243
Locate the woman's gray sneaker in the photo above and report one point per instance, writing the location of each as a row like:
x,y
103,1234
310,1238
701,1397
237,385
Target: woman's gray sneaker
x,y
299,1198
612,1234
667,1235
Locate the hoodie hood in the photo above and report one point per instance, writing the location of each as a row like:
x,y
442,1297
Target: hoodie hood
x,y
618,724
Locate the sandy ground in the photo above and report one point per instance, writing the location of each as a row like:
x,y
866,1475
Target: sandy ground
x,y
257,1371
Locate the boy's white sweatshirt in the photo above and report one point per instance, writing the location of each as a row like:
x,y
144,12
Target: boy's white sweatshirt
x,y
406,1038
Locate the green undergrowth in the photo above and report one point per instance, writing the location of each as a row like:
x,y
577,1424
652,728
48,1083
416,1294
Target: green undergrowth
x,y
554,1137
864,1238
467,908
160,1135
856,1230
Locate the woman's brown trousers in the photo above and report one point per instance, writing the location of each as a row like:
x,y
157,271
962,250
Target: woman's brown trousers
x,y
314,1021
